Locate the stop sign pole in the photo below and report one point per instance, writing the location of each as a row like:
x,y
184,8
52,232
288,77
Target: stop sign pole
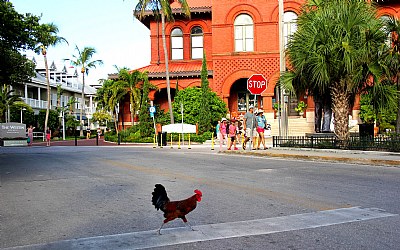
x,y
256,85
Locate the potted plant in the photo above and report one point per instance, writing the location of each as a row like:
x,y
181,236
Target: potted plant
x,y
277,108
301,107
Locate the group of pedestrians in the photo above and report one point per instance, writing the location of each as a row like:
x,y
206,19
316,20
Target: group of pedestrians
x,y
254,124
30,136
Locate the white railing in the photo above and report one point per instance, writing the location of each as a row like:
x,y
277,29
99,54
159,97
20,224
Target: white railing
x,y
34,103
38,135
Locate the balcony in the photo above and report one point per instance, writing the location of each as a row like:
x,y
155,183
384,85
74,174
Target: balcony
x,y
34,103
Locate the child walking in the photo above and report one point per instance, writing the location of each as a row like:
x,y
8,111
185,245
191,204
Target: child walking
x,y
232,135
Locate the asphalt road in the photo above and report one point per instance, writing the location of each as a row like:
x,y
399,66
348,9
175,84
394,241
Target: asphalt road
x,y
94,197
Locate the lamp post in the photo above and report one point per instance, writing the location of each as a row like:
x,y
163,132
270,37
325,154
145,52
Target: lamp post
x,y
22,109
63,123
282,111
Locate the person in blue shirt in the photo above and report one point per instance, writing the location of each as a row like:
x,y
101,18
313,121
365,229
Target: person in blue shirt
x,y
261,123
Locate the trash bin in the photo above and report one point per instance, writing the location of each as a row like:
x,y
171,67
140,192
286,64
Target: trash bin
x,y
162,135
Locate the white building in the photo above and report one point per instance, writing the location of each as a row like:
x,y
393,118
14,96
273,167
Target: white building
x,y
34,92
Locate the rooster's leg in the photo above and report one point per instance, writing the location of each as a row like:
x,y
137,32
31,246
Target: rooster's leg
x,y
159,230
187,223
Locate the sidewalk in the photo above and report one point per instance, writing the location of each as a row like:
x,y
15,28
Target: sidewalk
x,y
378,158
328,155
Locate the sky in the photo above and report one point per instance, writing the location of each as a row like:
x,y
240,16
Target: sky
x,y
106,25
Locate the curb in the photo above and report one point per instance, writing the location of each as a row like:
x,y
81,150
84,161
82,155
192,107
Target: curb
x,y
375,162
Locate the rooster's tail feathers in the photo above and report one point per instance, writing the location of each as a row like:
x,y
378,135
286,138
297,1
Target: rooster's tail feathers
x,y
160,197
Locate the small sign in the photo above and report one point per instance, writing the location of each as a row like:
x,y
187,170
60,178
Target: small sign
x,y
152,109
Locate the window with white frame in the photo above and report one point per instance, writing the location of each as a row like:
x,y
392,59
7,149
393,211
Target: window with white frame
x,y
244,33
196,36
176,44
289,25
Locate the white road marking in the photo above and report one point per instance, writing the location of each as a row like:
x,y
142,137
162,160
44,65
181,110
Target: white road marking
x,y
174,236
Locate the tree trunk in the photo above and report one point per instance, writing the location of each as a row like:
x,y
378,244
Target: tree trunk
x,y
115,122
48,91
132,107
82,102
171,114
340,107
398,107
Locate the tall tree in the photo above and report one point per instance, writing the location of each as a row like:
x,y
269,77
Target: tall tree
x,y
204,114
131,80
392,26
145,123
84,60
46,35
336,49
109,96
162,8
16,34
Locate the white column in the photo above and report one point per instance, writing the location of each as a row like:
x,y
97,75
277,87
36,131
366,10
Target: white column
x,y
91,104
26,93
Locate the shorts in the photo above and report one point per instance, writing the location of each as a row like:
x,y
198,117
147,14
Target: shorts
x,y
233,138
260,129
248,132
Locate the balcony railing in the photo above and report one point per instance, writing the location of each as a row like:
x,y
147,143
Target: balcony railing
x,y
34,103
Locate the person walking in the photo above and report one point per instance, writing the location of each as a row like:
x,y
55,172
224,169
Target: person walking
x,y
48,137
232,135
249,126
88,132
261,123
222,133
30,135
98,133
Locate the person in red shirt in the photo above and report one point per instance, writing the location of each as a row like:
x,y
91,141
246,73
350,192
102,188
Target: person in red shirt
x,y
232,135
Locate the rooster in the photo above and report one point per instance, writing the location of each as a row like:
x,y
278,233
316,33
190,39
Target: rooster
x,y
174,209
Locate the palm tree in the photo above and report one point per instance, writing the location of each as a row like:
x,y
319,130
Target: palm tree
x,y
131,80
109,96
7,99
162,8
392,26
70,104
118,92
46,36
59,93
336,50
83,60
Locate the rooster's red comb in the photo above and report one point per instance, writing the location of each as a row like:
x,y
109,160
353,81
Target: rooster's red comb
x,y
198,192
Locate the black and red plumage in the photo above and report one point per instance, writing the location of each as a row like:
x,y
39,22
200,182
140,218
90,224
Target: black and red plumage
x,y
174,209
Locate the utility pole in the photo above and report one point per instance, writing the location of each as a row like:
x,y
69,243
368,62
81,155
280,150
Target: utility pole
x,y
283,117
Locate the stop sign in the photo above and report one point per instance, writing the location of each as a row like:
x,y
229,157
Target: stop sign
x,y
257,84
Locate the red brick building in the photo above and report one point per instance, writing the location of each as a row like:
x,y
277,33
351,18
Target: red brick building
x,y
240,38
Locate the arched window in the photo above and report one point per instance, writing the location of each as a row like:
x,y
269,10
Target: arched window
x,y
176,44
244,33
196,36
289,25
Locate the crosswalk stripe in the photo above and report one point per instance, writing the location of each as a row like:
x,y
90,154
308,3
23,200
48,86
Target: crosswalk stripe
x,y
173,236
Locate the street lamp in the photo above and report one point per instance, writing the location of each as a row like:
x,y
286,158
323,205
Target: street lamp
x,y
22,109
63,123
